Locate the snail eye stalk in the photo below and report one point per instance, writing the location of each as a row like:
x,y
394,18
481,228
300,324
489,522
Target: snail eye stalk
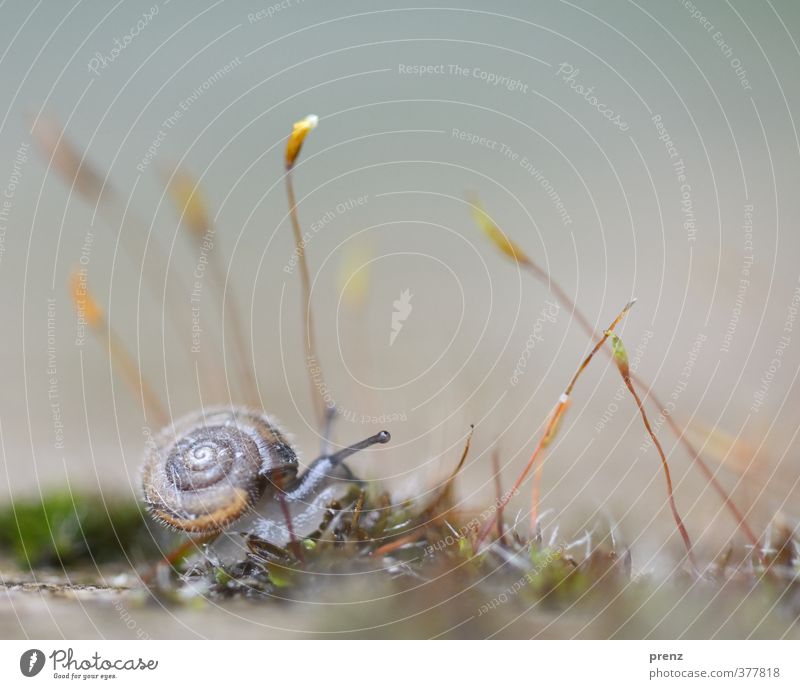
x,y
377,439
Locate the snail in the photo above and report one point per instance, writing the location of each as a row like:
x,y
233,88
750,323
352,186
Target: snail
x,y
213,467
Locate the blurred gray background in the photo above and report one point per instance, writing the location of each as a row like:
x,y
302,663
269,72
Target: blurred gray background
x,y
419,106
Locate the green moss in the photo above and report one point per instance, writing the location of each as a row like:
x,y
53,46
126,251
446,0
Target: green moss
x,y
67,529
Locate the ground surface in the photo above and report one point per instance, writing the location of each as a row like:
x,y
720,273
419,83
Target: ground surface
x,y
54,608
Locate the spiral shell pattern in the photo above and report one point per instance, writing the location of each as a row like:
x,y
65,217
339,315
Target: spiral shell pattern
x,y
212,466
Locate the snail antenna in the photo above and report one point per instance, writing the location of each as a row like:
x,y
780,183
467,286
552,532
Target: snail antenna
x,y
331,466
327,431
341,455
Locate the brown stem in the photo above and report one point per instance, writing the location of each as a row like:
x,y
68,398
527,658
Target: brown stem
x,y
597,346
294,544
498,491
554,418
448,484
312,359
537,477
244,360
430,514
712,479
536,494
484,532
694,454
673,507
131,373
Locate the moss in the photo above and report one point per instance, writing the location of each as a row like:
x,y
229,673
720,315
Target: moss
x,y
67,529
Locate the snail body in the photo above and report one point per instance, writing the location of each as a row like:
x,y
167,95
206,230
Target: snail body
x,y
214,466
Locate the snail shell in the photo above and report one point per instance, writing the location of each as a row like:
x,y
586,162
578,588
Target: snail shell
x,y
212,466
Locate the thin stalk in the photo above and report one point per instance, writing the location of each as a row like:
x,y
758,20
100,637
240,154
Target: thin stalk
x,y
244,361
448,484
706,471
362,495
70,162
88,309
132,375
189,201
312,358
536,494
138,242
537,477
498,496
294,544
429,515
510,249
679,433
559,409
553,420
665,466
155,271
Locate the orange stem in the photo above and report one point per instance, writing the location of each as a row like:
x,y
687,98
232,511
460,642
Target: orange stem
x,y
673,507
694,454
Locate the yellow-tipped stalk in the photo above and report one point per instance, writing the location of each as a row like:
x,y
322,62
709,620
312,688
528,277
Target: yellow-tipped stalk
x,y
621,360
495,235
189,200
313,364
299,133
135,236
89,311
544,277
